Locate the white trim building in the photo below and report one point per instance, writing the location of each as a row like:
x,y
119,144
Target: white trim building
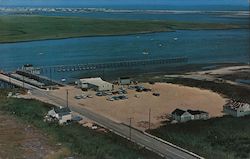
x,y
96,84
183,116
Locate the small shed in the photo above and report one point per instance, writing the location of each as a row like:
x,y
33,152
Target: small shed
x,y
124,81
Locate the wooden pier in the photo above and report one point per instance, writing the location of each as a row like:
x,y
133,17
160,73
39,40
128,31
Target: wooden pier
x,y
111,65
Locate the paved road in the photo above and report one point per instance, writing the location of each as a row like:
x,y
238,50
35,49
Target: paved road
x,y
166,150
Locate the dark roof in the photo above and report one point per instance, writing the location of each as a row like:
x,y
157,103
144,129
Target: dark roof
x,y
62,111
178,112
124,78
28,65
195,112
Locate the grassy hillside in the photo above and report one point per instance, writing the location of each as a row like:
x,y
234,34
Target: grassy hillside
x,y
27,28
83,142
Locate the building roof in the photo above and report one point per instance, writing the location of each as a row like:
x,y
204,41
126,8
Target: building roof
x,y
192,112
94,81
62,111
195,112
235,105
28,65
178,112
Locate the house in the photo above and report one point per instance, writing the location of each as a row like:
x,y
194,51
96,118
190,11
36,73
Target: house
x,y
62,114
181,115
198,114
186,115
96,84
236,109
124,81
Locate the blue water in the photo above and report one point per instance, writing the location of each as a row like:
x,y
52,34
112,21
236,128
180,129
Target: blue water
x,y
204,46
199,46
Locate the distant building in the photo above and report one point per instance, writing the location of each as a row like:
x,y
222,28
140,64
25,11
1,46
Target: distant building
x,y
96,84
186,115
236,109
63,115
31,69
124,81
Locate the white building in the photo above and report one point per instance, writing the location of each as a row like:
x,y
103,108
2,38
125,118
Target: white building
x,y
95,83
236,109
124,81
63,115
183,116
31,69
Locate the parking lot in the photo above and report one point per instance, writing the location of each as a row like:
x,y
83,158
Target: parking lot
x,y
128,102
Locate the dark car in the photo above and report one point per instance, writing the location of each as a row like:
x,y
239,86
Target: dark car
x,y
156,94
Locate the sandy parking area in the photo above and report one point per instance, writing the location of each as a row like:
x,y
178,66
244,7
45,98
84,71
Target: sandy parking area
x,y
171,97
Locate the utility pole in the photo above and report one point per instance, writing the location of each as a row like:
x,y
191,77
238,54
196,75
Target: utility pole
x,y
50,74
10,81
130,126
67,98
23,81
149,118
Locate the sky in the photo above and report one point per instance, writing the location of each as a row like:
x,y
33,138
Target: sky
x,y
124,2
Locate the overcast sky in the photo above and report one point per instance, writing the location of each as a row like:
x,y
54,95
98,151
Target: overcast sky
x,y
124,2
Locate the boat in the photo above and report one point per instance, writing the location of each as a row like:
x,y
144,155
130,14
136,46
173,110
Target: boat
x,y
145,52
175,39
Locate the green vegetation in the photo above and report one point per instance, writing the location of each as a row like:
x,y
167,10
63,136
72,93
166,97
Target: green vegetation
x,y
228,90
28,28
82,141
217,138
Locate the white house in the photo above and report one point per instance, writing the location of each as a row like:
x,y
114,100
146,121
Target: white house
x,y
183,116
236,109
95,83
63,115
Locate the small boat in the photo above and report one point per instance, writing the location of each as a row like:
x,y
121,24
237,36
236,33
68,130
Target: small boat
x,y
63,80
175,39
145,52
160,45
41,53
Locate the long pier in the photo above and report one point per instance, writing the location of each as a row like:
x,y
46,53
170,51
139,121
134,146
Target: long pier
x,y
110,65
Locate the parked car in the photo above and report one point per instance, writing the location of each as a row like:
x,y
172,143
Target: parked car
x,y
99,94
156,94
78,97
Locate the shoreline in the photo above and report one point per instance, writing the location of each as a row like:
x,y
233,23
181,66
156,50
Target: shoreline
x,y
115,35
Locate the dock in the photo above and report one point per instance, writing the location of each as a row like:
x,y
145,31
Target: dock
x,y
111,65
